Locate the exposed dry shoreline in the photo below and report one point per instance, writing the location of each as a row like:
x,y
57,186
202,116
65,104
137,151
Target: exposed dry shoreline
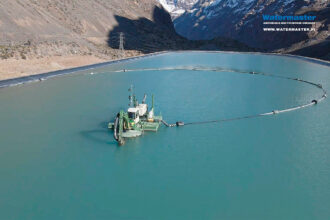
x,y
13,68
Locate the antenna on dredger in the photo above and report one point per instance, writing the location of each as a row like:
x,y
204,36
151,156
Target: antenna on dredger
x,y
144,99
121,45
131,97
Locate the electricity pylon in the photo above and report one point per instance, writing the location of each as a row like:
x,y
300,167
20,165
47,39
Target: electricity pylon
x,y
121,45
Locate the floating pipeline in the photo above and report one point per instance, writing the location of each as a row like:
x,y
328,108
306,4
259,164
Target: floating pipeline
x,y
49,75
219,69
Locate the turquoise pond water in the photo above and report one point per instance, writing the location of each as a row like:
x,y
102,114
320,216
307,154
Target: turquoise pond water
x,y
59,161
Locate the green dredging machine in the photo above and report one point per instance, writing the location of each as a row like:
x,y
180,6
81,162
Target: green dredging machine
x,y
137,119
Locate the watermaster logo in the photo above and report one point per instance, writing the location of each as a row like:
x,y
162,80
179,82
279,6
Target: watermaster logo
x,y
293,23
288,18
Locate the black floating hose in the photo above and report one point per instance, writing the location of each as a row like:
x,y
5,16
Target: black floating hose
x,y
180,123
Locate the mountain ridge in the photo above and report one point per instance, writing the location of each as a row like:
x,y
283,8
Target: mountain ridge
x,y
242,20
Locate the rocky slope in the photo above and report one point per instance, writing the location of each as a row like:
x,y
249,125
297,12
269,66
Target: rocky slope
x,y
37,29
40,36
242,20
31,28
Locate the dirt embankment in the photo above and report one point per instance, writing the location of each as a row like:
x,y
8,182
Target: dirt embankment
x,y
41,36
13,68
18,67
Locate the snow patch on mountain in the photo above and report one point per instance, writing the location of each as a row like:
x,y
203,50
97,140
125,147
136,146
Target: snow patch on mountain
x,y
177,7
168,5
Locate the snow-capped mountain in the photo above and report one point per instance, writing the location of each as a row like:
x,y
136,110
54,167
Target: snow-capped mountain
x,y
177,7
242,20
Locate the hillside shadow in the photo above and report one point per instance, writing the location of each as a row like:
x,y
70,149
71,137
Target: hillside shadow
x,y
146,35
319,50
158,34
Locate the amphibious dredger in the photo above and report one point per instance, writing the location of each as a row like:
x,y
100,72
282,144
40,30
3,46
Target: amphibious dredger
x,y
136,120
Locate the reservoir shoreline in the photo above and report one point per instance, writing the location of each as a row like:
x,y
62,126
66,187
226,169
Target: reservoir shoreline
x,y
47,75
